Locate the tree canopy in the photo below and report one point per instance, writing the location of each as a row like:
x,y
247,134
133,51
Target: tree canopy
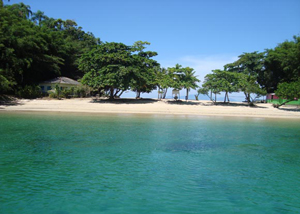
x,y
117,67
35,47
289,91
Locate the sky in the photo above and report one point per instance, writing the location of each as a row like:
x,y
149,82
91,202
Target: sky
x,y
204,35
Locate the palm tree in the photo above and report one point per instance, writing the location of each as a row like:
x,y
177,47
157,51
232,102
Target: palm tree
x,y
189,80
38,17
21,9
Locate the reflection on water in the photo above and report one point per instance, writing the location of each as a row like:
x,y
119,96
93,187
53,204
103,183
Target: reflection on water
x,y
70,163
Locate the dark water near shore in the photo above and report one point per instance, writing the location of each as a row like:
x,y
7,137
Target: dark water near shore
x,y
70,163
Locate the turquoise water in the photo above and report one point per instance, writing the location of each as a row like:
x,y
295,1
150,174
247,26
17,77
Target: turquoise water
x,y
69,164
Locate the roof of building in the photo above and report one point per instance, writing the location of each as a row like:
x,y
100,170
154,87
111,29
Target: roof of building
x,y
64,80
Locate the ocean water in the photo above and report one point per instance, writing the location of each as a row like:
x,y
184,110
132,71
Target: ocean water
x,y
71,164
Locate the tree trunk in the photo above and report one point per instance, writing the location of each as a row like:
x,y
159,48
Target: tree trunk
x,y
117,91
111,95
278,105
121,93
187,94
247,95
215,97
138,94
228,97
158,93
165,93
225,97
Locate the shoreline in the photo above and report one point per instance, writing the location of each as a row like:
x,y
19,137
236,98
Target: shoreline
x,y
152,107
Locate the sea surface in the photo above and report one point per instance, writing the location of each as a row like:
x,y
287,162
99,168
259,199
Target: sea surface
x,y
58,163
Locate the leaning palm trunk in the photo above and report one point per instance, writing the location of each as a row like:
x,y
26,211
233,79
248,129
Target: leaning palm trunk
x,y
278,105
165,93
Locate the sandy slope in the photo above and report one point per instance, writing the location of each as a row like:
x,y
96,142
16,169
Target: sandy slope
x,y
147,106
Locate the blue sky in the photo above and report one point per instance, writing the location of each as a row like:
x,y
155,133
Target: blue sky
x,y
204,35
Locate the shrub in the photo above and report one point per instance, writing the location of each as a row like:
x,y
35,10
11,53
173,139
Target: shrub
x,y
29,92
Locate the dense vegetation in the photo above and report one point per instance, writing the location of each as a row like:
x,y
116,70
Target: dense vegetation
x,y
257,73
35,48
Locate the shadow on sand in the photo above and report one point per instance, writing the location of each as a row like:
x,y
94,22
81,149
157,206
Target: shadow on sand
x,y
180,102
125,101
291,109
9,101
238,105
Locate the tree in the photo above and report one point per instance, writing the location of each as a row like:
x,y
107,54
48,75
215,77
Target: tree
x,y
27,52
20,9
144,69
40,48
282,64
289,91
164,80
183,78
108,66
204,91
176,77
249,64
222,81
38,17
210,84
189,80
248,85
6,81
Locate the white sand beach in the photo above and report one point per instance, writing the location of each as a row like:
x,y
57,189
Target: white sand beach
x,y
153,106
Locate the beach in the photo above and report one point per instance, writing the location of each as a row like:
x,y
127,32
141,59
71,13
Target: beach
x,y
152,106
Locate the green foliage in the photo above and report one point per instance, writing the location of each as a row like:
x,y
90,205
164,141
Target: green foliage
x,y
248,85
228,82
107,66
144,69
248,67
248,63
164,80
221,81
211,83
72,92
29,92
68,92
52,94
183,78
202,90
288,91
38,48
81,91
117,67
6,81
282,64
